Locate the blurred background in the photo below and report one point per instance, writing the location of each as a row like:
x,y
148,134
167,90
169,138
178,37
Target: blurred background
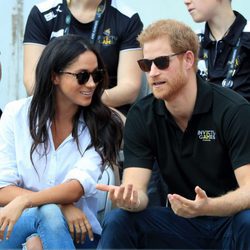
x,y
13,16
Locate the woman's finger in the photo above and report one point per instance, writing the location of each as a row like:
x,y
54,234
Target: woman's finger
x,y
83,232
71,229
78,232
89,229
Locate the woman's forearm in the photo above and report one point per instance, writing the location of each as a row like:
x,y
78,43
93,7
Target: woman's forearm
x,y
65,193
9,193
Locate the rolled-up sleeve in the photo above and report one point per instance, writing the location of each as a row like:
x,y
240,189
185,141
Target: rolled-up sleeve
x,y
87,171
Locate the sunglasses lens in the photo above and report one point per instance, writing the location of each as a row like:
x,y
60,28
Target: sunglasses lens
x,y
98,75
162,62
145,64
83,77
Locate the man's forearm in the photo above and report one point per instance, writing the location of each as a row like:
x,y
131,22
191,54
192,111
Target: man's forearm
x,y
229,204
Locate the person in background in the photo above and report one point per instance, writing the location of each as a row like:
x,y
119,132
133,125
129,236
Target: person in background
x,y
0,81
225,44
195,131
53,148
109,24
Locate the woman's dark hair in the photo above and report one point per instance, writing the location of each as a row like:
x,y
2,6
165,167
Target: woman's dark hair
x,y
104,125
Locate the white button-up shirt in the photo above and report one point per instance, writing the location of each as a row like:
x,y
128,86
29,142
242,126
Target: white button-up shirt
x,y
61,165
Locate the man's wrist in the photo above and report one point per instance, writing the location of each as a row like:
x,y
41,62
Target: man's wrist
x,y
133,209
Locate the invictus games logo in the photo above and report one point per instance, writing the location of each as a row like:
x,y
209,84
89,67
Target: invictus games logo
x,y
107,39
206,135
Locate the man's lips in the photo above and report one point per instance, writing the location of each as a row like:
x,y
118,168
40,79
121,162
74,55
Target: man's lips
x,y
158,83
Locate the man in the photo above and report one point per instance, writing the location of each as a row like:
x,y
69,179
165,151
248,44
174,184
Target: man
x,y
225,44
196,132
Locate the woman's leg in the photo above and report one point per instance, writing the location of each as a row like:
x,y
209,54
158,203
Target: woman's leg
x,y
48,222
33,243
23,228
52,228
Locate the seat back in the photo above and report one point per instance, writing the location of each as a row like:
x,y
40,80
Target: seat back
x,y
104,204
144,90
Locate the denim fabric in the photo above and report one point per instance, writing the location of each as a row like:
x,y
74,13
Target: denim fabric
x,y
49,224
160,228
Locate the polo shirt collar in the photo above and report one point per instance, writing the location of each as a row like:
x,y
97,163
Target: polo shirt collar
x,y
204,97
203,101
233,35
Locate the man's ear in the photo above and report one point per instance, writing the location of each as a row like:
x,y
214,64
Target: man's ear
x,y
189,59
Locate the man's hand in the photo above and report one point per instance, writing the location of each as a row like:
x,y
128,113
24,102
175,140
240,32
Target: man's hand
x,y
122,196
77,222
189,208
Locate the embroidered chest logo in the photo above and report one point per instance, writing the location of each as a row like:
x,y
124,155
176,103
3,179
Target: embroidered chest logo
x,y
106,38
206,135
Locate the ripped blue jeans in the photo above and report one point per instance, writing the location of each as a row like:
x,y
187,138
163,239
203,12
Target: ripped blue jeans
x,y
48,223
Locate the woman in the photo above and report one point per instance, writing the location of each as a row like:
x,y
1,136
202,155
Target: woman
x,y
53,147
109,24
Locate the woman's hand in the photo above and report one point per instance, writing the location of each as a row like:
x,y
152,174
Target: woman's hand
x,y
10,214
77,222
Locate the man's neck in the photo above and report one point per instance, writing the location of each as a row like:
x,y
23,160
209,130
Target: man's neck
x,y
181,107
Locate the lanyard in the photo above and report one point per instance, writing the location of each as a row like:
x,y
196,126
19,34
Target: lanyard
x,y
231,65
100,9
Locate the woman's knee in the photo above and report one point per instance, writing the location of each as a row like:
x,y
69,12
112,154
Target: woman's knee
x,y
33,243
52,216
50,211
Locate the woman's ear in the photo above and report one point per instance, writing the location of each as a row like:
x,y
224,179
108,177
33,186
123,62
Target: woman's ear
x,y
55,78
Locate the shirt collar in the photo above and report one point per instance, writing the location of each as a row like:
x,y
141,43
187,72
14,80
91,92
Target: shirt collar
x,y
233,34
203,101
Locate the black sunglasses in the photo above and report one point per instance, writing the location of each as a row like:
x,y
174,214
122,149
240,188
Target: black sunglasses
x,y
83,77
161,62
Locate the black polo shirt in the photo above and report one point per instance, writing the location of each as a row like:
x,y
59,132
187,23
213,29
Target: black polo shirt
x,y
220,52
216,141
